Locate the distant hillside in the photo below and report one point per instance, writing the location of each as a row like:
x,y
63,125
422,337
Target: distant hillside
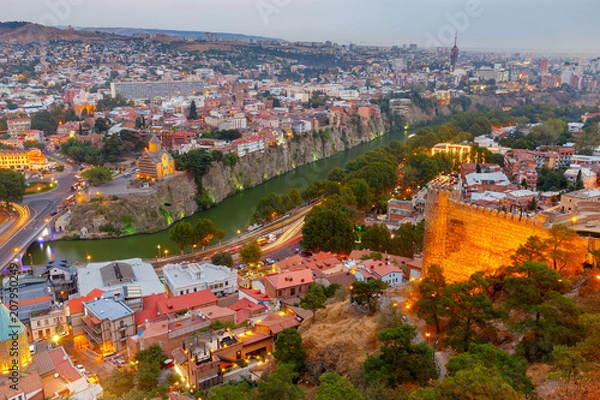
x,y
187,34
26,32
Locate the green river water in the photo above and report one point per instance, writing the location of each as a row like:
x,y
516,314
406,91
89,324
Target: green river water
x,y
232,214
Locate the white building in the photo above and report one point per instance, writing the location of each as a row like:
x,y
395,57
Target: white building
x,y
587,176
249,145
187,278
112,276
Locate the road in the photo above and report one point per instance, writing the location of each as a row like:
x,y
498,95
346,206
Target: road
x,y
34,212
290,228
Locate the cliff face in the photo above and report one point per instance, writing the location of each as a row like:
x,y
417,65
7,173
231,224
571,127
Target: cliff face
x,y
169,201
173,199
256,168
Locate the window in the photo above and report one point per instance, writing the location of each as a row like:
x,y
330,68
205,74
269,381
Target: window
x,y
226,283
292,291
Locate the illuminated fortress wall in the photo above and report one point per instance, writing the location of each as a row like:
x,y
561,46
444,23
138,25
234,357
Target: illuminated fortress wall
x,y
464,239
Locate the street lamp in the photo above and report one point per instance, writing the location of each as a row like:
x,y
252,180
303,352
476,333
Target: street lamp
x,y
166,252
30,258
158,251
89,257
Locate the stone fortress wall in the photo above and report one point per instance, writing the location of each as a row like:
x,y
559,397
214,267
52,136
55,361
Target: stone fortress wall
x,y
464,239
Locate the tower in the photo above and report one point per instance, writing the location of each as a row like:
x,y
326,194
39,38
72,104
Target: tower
x,y
454,54
155,145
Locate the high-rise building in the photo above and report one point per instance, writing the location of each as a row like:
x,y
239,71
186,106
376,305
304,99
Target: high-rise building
x,y
544,66
454,55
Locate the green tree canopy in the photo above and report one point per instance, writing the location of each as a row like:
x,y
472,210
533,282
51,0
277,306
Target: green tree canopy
x,y
368,293
335,387
204,232
376,238
280,385
400,361
314,299
432,297
512,368
251,253
97,175
328,230
289,350
12,186
182,234
478,383
222,259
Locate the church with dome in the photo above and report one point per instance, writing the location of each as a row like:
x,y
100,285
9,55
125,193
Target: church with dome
x,y
156,163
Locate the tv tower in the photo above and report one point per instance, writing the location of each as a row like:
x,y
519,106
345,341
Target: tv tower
x,y
454,54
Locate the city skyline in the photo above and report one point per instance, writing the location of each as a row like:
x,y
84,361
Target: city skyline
x,y
481,24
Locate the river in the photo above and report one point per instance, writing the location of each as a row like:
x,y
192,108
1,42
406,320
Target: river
x,y
232,214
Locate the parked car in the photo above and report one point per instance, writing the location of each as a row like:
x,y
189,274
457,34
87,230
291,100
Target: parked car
x,y
80,368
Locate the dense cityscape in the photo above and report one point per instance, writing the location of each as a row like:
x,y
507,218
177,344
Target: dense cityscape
x,y
197,215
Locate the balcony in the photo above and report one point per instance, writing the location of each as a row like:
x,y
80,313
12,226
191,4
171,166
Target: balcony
x,y
93,335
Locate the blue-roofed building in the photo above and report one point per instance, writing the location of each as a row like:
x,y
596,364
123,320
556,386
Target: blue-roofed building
x,y
107,323
13,335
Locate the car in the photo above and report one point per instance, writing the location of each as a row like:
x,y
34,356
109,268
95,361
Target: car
x,y
296,250
32,348
269,261
80,368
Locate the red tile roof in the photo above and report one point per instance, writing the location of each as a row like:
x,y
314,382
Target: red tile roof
x,y
256,294
76,304
186,301
150,311
35,300
276,323
62,364
290,279
245,304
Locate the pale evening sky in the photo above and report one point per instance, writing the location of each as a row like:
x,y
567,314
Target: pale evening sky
x,y
545,25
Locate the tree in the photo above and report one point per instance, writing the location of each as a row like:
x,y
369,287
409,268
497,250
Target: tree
x,y
150,362
97,175
12,186
182,234
579,181
432,297
119,382
269,208
101,125
193,114
376,238
280,385
225,259
328,230
568,361
561,245
293,199
220,234
469,311
204,232
408,239
533,249
400,361
289,350
335,387
512,368
314,299
478,383
368,293
251,253
232,390
531,284
336,175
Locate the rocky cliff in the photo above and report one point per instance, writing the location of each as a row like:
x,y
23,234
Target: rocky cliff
x,y
174,199
171,200
256,168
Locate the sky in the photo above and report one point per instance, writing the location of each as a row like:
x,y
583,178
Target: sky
x,y
535,25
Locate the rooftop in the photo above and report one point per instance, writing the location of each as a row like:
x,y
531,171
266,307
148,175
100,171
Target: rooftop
x,y
185,274
108,308
112,276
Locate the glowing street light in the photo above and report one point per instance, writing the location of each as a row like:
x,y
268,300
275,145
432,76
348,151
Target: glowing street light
x,y
166,252
157,251
89,257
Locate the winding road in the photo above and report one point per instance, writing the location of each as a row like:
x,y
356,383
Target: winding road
x,y
34,213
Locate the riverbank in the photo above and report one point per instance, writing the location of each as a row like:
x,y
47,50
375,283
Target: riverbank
x,y
232,214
